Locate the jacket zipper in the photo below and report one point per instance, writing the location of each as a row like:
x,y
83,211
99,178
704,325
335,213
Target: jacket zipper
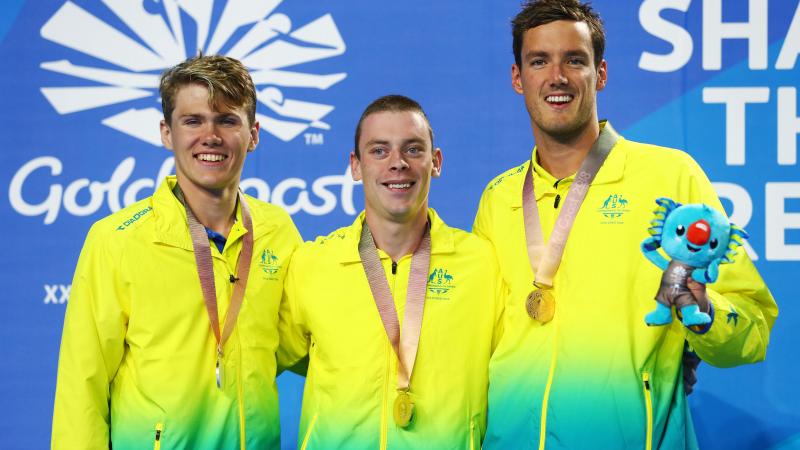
x,y
308,432
242,428
385,406
546,397
386,382
472,434
648,403
159,430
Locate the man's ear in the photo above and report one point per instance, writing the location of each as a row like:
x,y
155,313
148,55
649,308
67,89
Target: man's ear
x,y
516,79
166,134
254,133
602,75
436,172
355,167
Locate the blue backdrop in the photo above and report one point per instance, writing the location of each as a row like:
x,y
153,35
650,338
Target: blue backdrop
x,y
80,112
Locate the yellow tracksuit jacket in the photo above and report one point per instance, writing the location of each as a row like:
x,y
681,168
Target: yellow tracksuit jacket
x,y
137,359
329,315
597,376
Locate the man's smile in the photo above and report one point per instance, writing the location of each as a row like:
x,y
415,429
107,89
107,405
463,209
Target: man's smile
x,y
559,99
211,157
399,185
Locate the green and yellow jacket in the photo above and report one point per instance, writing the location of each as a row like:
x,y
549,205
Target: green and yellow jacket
x,y
597,376
138,355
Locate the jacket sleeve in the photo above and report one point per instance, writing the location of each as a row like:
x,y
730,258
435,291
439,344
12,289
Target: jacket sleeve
x,y
743,307
294,340
482,226
501,296
92,346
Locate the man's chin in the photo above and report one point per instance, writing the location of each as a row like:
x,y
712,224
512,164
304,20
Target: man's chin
x,y
564,131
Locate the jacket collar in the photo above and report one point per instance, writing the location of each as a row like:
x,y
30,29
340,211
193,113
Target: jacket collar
x,y
611,171
171,225
441,238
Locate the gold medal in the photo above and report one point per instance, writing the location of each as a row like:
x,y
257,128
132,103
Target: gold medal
x,y
403,409
541,305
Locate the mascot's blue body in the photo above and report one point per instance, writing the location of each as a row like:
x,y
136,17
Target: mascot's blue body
x,y
698,239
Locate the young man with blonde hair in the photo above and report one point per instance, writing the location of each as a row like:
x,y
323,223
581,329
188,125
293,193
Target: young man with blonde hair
x,y
171,329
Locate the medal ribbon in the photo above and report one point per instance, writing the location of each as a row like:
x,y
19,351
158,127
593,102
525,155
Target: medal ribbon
x,y
205,270
545,260
405,344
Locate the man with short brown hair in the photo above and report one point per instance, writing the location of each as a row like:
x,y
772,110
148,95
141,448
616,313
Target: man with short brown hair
x,y
577,366
171,329
397,313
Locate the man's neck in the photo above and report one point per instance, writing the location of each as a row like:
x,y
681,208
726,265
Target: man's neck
x,y
397,239
214,209
563,156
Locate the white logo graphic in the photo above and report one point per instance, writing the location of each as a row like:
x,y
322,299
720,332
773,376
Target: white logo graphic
x,y
267,47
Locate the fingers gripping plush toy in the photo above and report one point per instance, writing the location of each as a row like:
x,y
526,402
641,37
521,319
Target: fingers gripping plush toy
x,y
697,238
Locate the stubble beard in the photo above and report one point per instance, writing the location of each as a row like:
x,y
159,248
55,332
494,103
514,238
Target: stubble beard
x,y
560,130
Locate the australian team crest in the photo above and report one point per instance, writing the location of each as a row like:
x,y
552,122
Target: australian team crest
x,y
440,283
269,263
613,208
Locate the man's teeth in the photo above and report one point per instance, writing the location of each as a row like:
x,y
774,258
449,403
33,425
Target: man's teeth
x,y
210,157
399,186
558,98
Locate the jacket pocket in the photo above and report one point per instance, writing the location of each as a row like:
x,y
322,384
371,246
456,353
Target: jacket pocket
x,y
159,430
307,437
648,406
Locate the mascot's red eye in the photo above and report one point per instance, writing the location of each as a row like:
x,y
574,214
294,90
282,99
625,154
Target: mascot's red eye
x,y
680,230
713,244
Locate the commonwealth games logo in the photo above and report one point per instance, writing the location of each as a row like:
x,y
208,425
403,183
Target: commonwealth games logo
x,y
128,52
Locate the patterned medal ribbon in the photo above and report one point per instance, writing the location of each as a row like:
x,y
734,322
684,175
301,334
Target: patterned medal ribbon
x,y
405,344
205,270
545,259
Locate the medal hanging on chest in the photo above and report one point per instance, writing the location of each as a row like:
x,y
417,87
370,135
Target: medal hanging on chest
x,y
545,259
403,409
405,345
205,271
541,305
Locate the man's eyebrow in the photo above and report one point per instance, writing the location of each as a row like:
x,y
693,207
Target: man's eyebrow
x,y
377,141
582,53
534,53
415,140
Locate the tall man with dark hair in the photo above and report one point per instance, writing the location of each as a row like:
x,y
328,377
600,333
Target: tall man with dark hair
x,y
398,313
577,367
171,329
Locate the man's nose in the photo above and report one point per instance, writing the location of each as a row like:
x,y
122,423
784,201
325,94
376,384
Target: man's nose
x,y
557,77
212,138
397,160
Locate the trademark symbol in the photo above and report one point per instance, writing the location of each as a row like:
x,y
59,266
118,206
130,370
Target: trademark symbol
x,y
314,138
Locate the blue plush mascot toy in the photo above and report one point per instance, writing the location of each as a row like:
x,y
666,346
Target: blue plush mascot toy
x,y
698,239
